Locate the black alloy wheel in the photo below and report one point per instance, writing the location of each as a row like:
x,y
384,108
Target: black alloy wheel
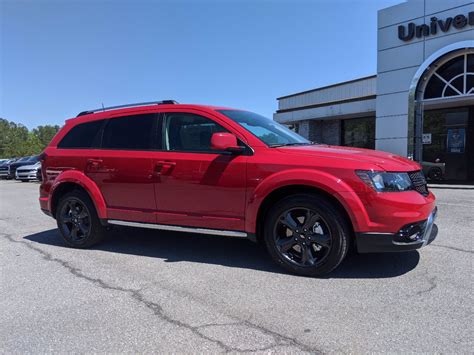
x,y
77,220
307,234
302,237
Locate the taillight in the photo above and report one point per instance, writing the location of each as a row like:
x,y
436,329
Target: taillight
x,y
42,157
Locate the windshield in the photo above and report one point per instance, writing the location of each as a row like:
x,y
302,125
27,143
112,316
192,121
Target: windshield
x,y
270,132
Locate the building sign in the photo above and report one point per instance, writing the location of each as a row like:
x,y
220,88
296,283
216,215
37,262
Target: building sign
x,y
426,138
456,140
408,32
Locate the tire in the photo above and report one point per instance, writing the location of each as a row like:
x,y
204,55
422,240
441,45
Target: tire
x,y
435,174
312,241
77,220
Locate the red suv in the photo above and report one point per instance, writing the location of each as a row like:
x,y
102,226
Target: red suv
x,y
227,172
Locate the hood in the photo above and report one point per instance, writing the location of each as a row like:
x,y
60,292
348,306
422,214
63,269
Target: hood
x,y
384,160
21,163
31,166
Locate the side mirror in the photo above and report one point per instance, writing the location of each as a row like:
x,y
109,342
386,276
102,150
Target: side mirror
x,y
225,142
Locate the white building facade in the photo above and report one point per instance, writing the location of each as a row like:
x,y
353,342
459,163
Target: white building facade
x,y
421,102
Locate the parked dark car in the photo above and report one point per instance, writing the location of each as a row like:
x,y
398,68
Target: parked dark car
x,y
4,169
435,171
21,162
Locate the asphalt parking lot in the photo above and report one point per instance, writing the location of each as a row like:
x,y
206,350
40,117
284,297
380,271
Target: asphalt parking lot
x,y
144,291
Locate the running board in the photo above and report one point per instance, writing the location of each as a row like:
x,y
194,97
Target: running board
x,y
167,227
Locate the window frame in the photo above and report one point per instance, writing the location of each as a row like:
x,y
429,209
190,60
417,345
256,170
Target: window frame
x,y
437,74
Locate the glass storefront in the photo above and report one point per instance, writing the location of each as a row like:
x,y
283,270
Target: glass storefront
x,y
358,132
448,144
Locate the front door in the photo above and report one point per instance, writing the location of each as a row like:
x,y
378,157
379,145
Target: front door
x,y
194,185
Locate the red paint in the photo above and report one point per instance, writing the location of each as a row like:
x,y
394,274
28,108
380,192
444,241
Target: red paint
x,y
224,141
225,191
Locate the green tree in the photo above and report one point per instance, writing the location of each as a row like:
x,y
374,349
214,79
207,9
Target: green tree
x,y
16,140
45,133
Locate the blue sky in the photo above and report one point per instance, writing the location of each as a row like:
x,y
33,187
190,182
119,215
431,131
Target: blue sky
x,y
61,57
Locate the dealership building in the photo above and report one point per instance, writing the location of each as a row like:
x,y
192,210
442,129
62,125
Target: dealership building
x,y
421,102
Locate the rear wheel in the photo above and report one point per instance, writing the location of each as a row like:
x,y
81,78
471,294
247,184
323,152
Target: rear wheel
x,y
77,220
306,235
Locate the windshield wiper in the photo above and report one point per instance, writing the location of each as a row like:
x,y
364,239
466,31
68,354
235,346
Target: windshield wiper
x,y
289,144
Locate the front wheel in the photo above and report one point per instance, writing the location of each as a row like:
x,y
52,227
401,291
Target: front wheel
x,y
77,220
306,234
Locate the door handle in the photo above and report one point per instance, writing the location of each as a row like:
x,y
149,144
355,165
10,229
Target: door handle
x,y
162,167
165,163
94,162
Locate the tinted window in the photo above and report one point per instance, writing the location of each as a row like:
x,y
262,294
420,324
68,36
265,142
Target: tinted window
x,y
130,133
188,132
84,135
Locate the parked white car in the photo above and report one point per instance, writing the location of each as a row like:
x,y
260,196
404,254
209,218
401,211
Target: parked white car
x,y
28,172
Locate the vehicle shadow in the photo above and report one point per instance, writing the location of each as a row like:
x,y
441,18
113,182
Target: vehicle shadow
x,y
230,252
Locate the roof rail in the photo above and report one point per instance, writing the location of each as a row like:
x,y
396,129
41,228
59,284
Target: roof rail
x,y
162,102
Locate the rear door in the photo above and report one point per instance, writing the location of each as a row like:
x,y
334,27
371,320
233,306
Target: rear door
x,y
194,185
122,168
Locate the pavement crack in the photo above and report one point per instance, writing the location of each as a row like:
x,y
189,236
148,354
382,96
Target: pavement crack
x,y
433,285
137,295
453,248
278,339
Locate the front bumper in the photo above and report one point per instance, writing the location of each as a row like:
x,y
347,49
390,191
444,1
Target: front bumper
x,y
410,237
4,174
26,175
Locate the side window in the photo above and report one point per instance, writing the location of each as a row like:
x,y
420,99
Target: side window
x,y
189,132
84,135
137,132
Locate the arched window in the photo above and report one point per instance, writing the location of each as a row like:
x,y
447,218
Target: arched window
x,y
454,77
447,74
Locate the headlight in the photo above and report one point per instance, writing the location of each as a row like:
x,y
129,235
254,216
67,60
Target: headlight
x,y
385,181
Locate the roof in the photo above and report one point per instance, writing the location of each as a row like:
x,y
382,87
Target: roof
x,y
147,106
327,87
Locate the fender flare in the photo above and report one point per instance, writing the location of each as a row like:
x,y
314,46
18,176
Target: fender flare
x,y
79,178
328,183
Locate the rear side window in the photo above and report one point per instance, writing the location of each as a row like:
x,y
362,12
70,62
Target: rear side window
x,y
131,133
84,135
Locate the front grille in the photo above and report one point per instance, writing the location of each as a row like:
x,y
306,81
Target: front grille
x,y
25,171
419,182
